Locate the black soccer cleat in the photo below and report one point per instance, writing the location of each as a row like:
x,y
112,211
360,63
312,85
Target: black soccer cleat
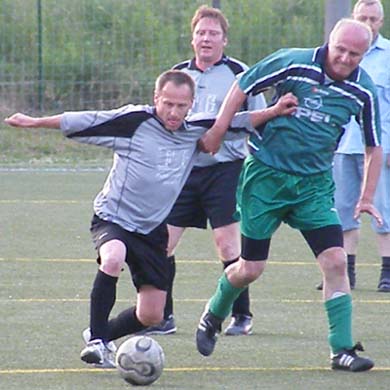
x,y
207,333
348,360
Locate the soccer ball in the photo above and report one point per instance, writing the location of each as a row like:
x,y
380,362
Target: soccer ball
x,y
140,360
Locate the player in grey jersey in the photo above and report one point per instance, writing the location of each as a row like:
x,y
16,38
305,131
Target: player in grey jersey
x,y
154,150
209,194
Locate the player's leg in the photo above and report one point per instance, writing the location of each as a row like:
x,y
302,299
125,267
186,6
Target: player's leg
x,y
185,213
256,230
347,175
327,244
109,241
319,223
218,197
149,266
233,281
228,243
382,203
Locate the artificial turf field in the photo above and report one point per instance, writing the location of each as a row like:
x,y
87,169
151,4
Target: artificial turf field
x,y
46,271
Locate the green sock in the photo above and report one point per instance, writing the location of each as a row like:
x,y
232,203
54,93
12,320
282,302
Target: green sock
x,y
339,312
222,301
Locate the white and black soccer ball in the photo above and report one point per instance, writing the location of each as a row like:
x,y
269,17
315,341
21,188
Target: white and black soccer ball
x,y
140,360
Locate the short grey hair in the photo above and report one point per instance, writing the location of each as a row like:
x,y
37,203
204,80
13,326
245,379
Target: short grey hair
x,y
368,2
349,21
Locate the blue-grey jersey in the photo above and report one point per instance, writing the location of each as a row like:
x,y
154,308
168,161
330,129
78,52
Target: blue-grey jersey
x,y
150,164
212,85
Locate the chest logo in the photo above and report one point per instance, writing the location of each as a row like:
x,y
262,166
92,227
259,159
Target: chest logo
x,y
314,102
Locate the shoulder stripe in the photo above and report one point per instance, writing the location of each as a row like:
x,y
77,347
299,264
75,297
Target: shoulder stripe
x,y
303,72
181,65
122,126
365,99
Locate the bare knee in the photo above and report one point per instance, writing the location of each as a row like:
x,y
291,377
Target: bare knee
x,y
333,261
244,272
150,316
227,241
112,256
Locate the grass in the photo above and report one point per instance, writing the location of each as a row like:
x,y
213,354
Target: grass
x,y
42,148
47,268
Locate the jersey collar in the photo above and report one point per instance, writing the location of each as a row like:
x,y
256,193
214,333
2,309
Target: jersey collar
x,y
192,64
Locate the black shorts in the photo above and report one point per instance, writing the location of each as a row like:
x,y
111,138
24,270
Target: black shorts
x,y
209,194
146,254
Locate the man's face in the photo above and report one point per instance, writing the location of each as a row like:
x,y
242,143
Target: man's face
x,y
208,40
371,15
346,50
172,104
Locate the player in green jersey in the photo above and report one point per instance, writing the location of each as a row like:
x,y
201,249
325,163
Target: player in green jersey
x,y
288,176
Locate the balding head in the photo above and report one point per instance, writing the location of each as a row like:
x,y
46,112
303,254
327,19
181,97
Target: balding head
x,y
348,42
347,26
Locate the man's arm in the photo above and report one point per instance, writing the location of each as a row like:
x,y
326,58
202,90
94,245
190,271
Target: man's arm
x,y
286,105
212,139
372,169
22,120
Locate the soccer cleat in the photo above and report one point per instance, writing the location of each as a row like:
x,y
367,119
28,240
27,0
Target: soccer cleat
x,y
240,324
347,359
384,285
98,354
165,327
207,333
90,354
87,338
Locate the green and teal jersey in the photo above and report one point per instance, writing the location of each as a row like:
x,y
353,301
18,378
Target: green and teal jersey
x,y
304,143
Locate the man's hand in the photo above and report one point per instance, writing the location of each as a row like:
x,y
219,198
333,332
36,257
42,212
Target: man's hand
x,y
367,207
211,141
20,120
286,105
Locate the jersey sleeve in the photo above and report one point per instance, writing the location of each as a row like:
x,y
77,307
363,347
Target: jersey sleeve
x,y
266,73
102,128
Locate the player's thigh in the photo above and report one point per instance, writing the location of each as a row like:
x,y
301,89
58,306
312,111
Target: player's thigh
x,y
382,200
147,258
218,192
150,304
314,206
188,210
260,205
348,176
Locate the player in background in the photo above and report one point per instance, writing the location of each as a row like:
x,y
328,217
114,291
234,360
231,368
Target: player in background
x,y
288,176
349,158
154,151
209,193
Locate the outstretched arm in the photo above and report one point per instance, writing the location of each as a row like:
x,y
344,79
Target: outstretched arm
x,y
372,168
22,120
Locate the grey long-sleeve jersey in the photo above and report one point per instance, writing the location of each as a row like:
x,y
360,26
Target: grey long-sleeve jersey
x,y
151,163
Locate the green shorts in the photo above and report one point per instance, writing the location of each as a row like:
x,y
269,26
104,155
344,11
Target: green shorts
x,y
267,197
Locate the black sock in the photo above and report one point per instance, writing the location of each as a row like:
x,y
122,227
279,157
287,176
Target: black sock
x,y
124,324
385,271
241,304
168,310
103,297
351,269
